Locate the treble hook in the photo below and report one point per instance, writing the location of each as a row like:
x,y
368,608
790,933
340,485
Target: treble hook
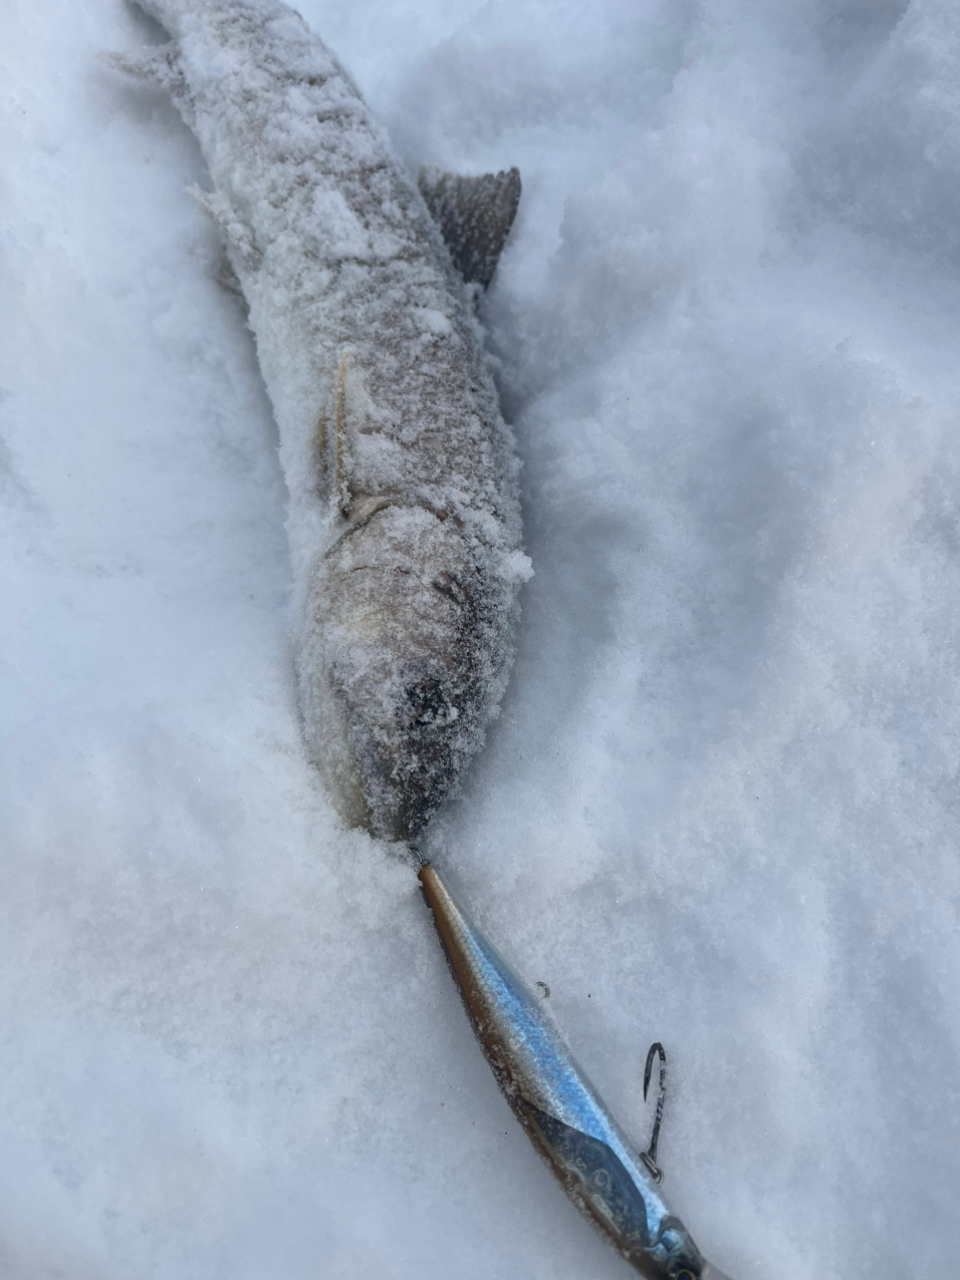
x,y
649,1157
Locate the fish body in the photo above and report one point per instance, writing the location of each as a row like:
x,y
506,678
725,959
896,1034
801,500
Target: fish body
x,y
403,512
557,1105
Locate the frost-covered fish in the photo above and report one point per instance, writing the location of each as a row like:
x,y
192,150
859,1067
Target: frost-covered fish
x,y
403,512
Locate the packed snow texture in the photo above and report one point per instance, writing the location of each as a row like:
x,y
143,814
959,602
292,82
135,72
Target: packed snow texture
x,y
719,808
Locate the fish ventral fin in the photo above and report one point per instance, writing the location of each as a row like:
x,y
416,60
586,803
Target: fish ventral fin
x,y
474,216
233,230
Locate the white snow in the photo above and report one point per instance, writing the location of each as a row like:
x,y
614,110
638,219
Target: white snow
x,y
719,807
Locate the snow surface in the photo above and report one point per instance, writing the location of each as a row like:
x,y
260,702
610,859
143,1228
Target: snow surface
x,y
719,808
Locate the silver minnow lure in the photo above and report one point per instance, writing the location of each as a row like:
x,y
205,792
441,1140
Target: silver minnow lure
x,y
403,512
558,1106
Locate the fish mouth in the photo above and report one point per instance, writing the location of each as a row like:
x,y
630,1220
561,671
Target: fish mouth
x,y
409,761
391,766
428,706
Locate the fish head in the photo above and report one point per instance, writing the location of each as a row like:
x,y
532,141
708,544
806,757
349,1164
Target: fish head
x,y
394,665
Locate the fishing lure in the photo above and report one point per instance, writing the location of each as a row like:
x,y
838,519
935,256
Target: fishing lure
x,y
614,1187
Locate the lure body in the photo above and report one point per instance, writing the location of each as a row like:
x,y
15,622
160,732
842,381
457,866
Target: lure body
x,y
403,511
558,1107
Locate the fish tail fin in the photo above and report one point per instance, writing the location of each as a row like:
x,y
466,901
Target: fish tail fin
x,y
159,64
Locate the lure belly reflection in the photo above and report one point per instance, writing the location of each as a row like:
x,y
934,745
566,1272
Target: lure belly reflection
x,y
560,1110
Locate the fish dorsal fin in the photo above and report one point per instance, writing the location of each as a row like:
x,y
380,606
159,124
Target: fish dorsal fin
x,y
474,216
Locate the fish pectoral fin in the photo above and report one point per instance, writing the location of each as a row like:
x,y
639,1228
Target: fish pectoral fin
x,y
235,232
474,215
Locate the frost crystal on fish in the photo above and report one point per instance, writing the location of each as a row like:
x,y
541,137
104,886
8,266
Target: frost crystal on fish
x,y
403,510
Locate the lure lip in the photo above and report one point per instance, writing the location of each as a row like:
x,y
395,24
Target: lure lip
x,y
558,1107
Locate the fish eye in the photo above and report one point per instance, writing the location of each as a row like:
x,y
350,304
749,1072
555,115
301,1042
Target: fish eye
x,y
684,1275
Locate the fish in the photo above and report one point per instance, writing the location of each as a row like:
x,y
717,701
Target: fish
x,y
362,284
557,1106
